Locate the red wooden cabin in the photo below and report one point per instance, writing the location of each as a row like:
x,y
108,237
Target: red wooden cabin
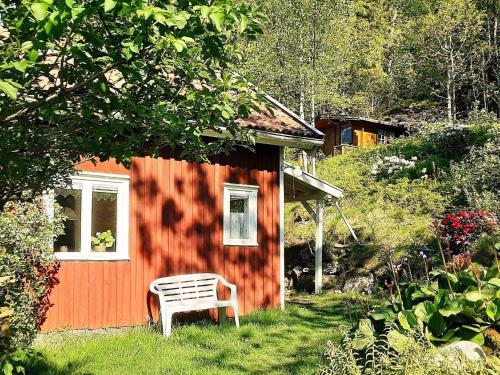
x,y
170,216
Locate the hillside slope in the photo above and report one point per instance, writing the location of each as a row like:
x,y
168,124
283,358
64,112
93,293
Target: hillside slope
x,y
393,193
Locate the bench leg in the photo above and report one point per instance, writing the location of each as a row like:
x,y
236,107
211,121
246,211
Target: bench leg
x,y
222,314
236,316
167,323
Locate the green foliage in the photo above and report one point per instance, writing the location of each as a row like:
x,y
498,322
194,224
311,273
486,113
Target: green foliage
x,y
397,354
116,78
477,177
396,211
26,257
445,315
103,239
12,360
416,60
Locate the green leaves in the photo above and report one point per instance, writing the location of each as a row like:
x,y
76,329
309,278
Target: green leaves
x,y
364,335
437,324
136,59
39,10
446,318
10,88
109,5
452,308
473,296
218,16
407,320
492,311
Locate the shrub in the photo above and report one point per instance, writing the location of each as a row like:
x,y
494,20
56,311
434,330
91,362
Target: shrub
x,y
26,257
391,165
395,353
444,315
462,228
12,360
475,180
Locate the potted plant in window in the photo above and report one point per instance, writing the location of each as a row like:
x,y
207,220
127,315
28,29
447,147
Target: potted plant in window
x,y
102,241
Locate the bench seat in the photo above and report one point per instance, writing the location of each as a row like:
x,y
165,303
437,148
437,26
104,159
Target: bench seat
x,y
192,292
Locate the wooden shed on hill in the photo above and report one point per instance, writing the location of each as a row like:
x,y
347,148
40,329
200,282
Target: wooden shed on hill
x,y
343,133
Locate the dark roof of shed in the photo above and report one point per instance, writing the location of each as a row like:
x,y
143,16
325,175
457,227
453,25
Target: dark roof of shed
x,y
274,117
361,119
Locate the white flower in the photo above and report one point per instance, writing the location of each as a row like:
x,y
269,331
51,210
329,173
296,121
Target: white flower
x,y
414,158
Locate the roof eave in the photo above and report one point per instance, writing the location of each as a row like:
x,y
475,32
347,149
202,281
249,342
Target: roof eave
x,y
275,139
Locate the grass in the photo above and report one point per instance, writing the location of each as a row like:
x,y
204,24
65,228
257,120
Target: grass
x,y
268,342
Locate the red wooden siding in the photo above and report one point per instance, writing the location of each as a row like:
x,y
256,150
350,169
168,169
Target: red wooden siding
x,y
176,227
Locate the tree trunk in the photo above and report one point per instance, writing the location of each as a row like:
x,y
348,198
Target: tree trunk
x,y
449,98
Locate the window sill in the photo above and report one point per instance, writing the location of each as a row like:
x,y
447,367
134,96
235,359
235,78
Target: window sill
x,y
241,244
91,257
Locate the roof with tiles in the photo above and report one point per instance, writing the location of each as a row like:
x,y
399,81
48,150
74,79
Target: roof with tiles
x,y
276,118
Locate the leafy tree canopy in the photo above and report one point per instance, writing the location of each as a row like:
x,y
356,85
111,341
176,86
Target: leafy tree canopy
x,y
112,78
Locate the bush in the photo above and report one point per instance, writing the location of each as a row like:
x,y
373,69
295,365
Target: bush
x,y
26,257
475,181
12,360
464,227
443,314
394,353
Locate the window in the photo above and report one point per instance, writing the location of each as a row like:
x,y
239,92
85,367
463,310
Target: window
x,y
385,136
240,215
346,135
93,204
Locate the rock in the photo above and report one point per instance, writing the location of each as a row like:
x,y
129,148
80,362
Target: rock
x,y
470,350
359,284
305,283
298,271
329,281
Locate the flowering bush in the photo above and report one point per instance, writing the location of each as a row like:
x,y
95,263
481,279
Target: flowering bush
x,y
26,257
462,228
392,164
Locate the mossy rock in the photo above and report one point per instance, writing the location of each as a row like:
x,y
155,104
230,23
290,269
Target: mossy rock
x,y
492,340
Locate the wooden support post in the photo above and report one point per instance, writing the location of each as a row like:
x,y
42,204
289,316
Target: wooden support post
x,y
318,255
346,221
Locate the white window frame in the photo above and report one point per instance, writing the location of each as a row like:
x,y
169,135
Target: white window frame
x,y
250,191
86,180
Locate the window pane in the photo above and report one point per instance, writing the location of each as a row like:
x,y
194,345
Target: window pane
x,y
346,136
381,137
104,207
238,216
71,202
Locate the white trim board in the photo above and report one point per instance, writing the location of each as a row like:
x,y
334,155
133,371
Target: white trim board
x,y
270,138
321,186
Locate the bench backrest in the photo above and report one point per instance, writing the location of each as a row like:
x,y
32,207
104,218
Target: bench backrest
x,y
192,288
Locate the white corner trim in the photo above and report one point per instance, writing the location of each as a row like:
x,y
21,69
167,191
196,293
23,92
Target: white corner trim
x,y
282,228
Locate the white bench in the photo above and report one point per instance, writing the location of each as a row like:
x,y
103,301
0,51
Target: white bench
x,y
192,292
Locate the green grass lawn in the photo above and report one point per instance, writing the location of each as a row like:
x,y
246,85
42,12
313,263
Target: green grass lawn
x,y
268,342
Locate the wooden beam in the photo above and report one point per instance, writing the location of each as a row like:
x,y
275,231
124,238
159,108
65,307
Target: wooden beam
x,y
346,221
309,209
318,255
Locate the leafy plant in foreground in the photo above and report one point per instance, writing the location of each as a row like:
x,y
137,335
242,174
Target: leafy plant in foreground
x,y
26,256
444,315
12,360
393,352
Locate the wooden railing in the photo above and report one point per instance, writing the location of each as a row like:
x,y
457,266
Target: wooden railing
x,y
343,149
